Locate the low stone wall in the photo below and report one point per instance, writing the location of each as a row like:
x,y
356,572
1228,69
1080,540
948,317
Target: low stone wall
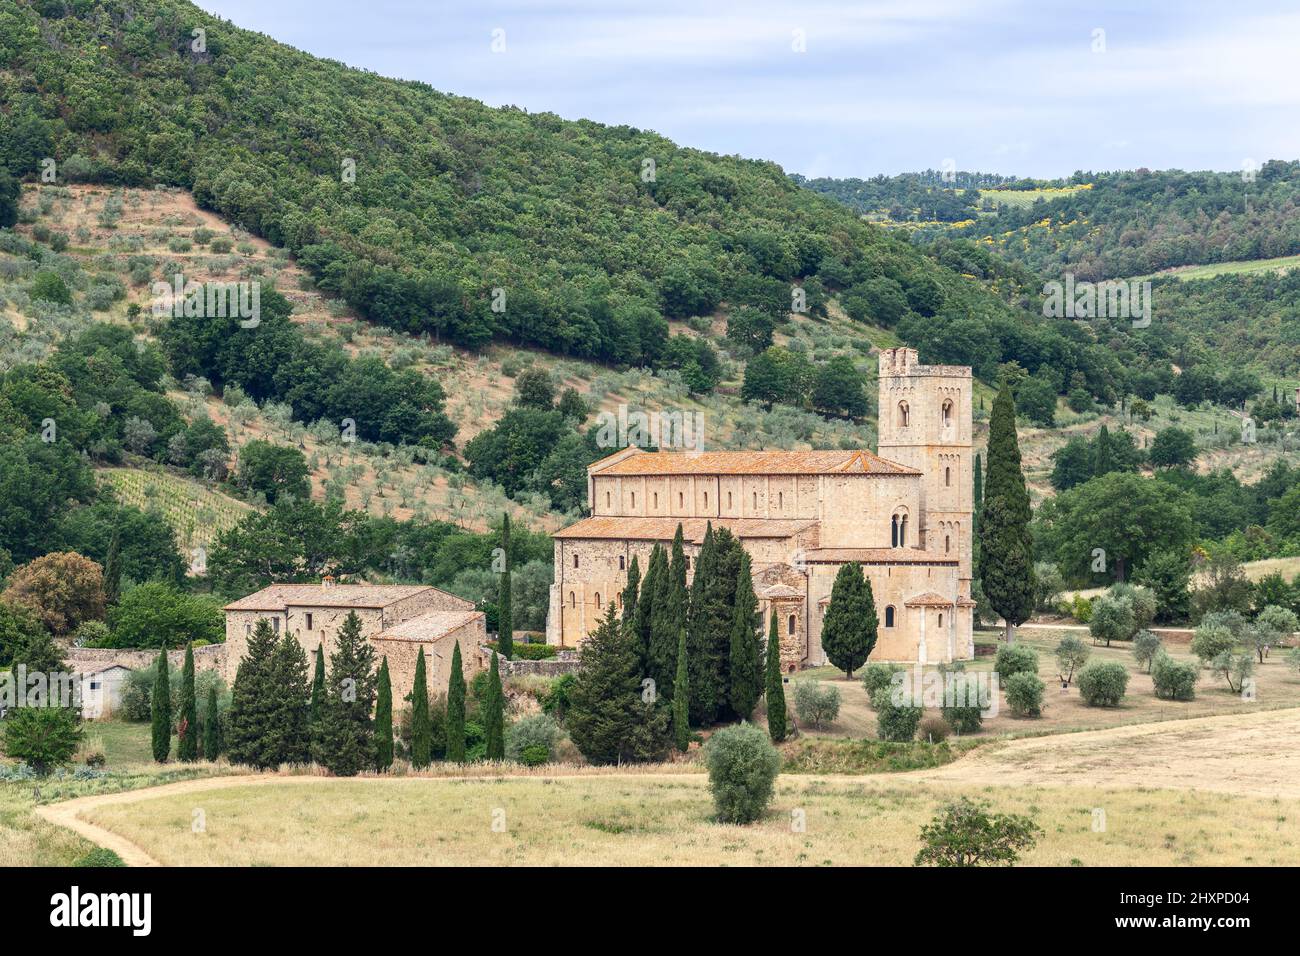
x,y
565,662
209,657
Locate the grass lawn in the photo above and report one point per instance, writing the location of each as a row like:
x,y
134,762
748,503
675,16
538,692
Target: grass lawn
x,y
649,820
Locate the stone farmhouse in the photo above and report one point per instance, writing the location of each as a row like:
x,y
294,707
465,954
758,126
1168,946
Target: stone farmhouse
x,y
398,620
904,514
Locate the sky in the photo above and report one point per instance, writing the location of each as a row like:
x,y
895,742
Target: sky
x,y
1019,87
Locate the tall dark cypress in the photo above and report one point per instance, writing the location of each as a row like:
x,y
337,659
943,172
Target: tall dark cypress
x,y
494,714
709,638
288,733
421,728
745,670
666,619
505,616
456,709
776,723
346,743
976,506
850,628
642,621
211,727
187,728
253,704
631,592
384,719
113,569
697,625
317,691
1006,548
682,696
160,709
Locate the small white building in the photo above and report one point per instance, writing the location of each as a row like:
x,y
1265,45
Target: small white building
x,y
101,689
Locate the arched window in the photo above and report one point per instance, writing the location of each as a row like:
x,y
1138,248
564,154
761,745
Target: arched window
x,y
622,563
575,559
728,499
945,413
573,599
947,544
902,532
947,477
790,624
756,501
904,415
598,600
607,499
681,499
889,616
688,562
706,499
634,499
656,499
893,532
780,500
941,618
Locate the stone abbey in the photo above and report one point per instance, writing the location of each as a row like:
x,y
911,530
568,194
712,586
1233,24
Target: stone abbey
x,y
904,514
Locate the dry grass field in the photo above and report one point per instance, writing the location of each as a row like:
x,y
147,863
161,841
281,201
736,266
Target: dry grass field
x,y
1152,793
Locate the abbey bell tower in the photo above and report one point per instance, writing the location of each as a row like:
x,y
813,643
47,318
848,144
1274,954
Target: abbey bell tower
x,y
925,423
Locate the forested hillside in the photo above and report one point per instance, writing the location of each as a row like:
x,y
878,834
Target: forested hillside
x,y
425,211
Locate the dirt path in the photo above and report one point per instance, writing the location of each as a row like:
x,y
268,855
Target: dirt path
x,y
1255,755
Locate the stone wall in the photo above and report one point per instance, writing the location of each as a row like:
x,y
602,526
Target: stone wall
x,y
566,662
209,657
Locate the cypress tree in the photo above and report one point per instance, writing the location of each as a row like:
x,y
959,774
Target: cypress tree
x,y
776,728
1103,453
187,729
697,636
421,727
976,506
494,713
608,719
681,696
505,620
643,619
456,709
1006,548
288,735
744,666
211,728
850,628
113,569
630,592
709,640
384,719
345,744
317,692
160,710
252,703
666,619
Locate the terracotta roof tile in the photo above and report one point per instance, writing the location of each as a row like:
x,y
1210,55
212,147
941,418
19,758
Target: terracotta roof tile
x,y
277,597
428,627
929,599
749,463
663,529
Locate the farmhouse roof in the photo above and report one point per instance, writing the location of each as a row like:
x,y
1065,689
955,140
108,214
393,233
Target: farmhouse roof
x,y
877,556
424,628
639,463
279,597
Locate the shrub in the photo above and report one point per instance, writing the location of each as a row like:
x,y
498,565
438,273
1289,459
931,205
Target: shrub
x,y
933,728
1174,680
100,856
556,700
879,677
816,703
1025,695
743,766
1146,646
1015,659
42,737
1212,639
529,736
1071,654
96,759
1081,609
966,834
1103,683
1293,659
895,721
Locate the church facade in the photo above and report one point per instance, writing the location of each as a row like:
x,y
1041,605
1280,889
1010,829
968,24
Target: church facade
x,y
904,514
